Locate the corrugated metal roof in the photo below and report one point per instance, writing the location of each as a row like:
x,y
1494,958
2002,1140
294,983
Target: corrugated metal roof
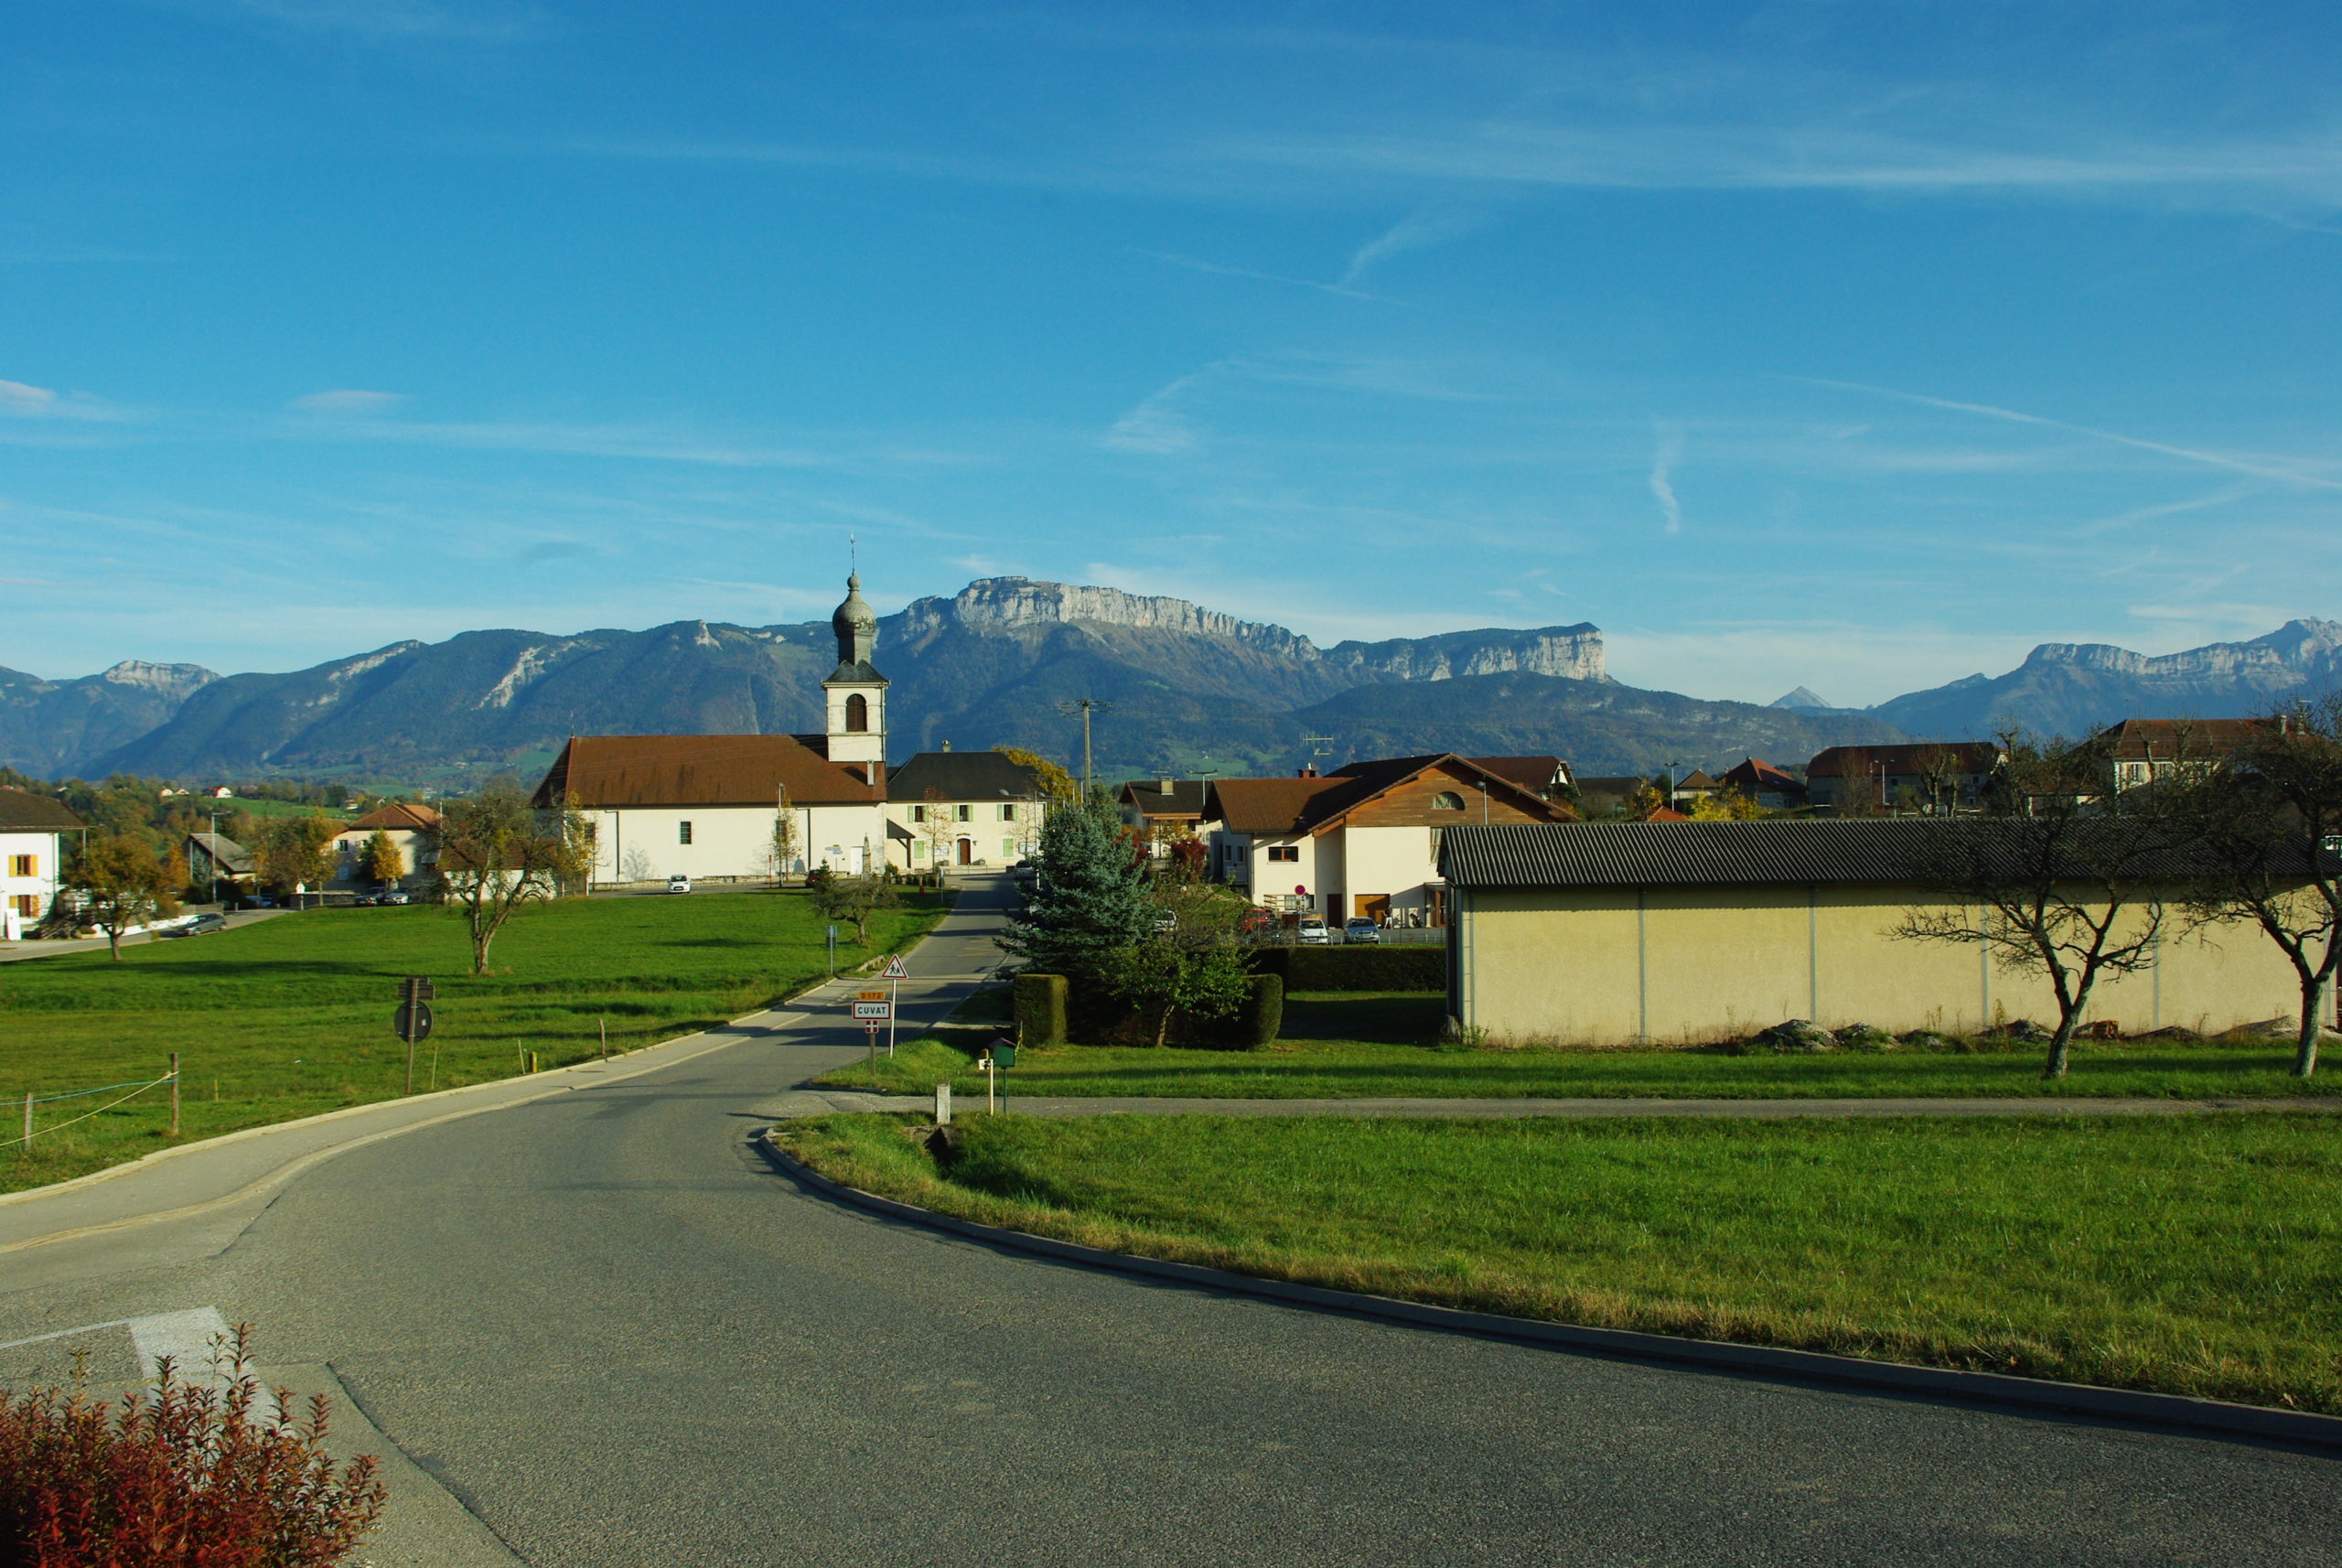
x,y
1795,852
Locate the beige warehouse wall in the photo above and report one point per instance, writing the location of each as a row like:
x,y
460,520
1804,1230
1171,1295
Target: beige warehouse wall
x,y
1688,965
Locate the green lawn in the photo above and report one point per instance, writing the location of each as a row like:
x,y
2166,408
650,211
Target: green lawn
x,y
1342,1044
291,1016
2198,1255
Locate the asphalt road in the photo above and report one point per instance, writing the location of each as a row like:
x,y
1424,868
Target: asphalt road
x,y
616,1335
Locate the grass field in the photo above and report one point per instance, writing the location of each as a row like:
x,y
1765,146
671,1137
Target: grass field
x,y
2198,1255
1348,1043
292,1015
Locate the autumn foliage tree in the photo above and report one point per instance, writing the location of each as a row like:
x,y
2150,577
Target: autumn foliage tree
x,y
121,883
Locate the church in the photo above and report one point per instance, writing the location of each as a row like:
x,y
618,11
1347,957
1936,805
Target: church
x,y
706,805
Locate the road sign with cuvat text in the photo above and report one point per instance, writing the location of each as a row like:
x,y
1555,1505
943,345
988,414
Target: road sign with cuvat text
x,y
874,1012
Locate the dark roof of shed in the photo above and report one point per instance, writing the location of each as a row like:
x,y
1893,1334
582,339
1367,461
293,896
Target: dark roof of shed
x,y
225,851
1785,852
1534,773
1966,757
962,776
1611,784
1186,799
22,811
1314,805
603,771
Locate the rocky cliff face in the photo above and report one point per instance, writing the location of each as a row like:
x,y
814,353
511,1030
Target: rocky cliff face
x,y
47,728
2073,688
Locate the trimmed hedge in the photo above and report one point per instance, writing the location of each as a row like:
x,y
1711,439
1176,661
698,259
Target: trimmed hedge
x,y
1409,968
1039,1009
1263,1012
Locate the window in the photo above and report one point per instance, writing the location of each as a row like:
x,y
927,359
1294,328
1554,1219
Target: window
x,y
27,904
1447,801
24,866
967,813
682,833
857,712
919,813
1285,851
1008,813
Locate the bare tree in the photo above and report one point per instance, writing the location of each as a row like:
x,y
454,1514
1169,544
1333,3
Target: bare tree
x,y
1938,769
784,836
2270,824
494,858
936,830
2072,887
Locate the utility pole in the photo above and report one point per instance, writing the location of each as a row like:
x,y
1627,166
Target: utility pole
x,y
1085,706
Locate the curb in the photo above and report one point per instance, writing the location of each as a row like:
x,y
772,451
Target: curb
x,y
2174,1411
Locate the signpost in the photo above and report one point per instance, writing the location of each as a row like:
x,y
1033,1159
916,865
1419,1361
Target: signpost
x,y
1001,1054
413,1020
894,974
832,939
871,1009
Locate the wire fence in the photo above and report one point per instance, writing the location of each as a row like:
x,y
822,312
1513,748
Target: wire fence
x,y
22,1142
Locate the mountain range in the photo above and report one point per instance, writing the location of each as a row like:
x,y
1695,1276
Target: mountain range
x,y
1187,687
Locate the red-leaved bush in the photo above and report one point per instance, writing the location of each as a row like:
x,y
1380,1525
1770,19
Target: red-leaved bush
x,y
184,1475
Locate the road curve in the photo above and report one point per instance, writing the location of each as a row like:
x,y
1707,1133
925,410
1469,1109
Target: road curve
x,y
616,1336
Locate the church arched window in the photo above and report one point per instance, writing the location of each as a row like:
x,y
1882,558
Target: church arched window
x,y
1447,801
857,712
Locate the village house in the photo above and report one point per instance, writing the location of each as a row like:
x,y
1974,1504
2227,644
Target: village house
x,y
218,865
1364,839
705,806
1163,809
33,829
1770,786
2140,751
1611,933
1935,776
412,830
962,808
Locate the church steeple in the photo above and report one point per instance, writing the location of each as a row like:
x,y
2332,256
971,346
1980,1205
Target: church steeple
x,y
856,694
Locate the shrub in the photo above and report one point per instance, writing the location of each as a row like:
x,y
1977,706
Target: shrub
x,y
1040,1009
188,1475
1263,1011
1393,967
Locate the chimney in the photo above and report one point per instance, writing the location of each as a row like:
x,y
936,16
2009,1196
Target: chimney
x,y
1165,783
870,773
947,745
1306,773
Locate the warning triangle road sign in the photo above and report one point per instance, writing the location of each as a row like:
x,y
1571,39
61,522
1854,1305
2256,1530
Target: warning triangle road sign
x,y
895,969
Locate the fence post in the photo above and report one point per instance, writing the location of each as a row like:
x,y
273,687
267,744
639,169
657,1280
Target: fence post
x,y
174,1094
25,1149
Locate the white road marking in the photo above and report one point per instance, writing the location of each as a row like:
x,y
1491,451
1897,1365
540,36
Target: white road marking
x,y
66,1333
190,1339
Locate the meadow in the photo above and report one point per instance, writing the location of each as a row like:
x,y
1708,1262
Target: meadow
x,y
1347,1043
2193,1254
292,1015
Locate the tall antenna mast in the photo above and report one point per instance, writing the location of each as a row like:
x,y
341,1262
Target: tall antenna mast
x,y
1320,746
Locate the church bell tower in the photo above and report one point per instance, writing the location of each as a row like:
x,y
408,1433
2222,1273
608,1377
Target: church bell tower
x,y
855,693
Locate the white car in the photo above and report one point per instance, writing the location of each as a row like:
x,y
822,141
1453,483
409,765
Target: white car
x,y
679,883
1311,929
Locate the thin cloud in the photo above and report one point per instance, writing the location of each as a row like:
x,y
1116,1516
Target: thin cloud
x,y
17,397
1416,232
2258,467
1194,264
348,401
387,19
1154,426
1670,452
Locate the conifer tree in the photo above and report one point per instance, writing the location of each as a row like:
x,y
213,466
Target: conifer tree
x,y
1089,902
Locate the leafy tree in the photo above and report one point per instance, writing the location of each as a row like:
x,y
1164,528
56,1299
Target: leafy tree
x,y
852,898
382,860
1196,966
1058,787
493,858
784,836
121,883
1724,806
1639,806
2068,886
2270,823
292,852
1090,901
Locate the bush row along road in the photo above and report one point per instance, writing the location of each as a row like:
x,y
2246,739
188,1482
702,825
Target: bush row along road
x,y
604,1327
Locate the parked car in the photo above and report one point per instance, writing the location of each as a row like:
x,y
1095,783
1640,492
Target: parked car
x,y
679,883
1256,921
393,897
1165,924
200,926
1311,929
1360,928
361,901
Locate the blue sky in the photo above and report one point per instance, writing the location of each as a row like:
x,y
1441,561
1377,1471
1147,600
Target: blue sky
x,y
1861,346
